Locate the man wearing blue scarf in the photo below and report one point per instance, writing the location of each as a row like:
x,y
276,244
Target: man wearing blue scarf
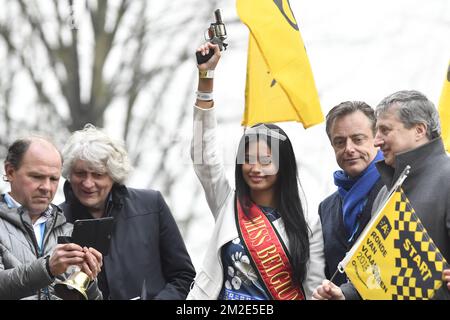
x,y
350,127
409,133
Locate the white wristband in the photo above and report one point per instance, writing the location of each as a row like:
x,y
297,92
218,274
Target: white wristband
x,y
204,96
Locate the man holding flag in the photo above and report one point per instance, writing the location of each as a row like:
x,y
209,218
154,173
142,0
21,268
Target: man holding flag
x,y
409,133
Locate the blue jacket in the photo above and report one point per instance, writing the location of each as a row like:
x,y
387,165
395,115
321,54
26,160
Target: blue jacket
x,y
146,245
334,233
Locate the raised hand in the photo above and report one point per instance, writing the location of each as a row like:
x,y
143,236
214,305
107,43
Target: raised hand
x,y
204,50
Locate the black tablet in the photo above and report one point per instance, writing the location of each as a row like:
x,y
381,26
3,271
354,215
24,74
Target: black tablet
x,y
95,233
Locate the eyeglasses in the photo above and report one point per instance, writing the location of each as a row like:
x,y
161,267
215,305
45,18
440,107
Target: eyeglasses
x,y
264,130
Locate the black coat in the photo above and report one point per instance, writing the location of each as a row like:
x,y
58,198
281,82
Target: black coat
x,y
146,245
334,233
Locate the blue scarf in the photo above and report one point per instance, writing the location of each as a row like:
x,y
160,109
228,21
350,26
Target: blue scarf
x,y
354,193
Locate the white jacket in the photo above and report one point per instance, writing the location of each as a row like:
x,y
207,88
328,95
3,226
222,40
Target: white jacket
x,y
220,197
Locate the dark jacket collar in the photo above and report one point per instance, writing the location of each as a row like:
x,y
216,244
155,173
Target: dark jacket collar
x,y
118,194
418,158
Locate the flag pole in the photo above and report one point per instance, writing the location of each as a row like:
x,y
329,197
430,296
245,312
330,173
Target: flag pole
x,y
395,186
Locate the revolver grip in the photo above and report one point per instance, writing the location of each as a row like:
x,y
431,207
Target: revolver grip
x,y
202,59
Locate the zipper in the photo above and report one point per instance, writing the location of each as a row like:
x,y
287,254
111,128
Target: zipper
x,y
47,231
32,236
38,254
34,241
109,208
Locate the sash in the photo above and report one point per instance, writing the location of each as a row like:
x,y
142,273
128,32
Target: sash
x,y
269,256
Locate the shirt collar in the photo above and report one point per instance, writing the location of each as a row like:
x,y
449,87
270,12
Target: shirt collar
x,y
12,203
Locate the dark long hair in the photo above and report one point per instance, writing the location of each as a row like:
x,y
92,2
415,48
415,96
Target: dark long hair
x,y
287,198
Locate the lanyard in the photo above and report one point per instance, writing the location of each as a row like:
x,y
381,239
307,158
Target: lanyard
x,y
41,242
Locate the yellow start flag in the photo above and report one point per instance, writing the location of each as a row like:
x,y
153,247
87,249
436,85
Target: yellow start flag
x,y
395,258
444,111
280,84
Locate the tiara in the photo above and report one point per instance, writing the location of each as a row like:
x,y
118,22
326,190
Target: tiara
x,y
264,130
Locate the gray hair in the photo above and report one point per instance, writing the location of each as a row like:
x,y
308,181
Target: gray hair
x,y
349,107
412,108
102,153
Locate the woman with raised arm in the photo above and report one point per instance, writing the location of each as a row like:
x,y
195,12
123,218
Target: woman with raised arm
x,y
262,247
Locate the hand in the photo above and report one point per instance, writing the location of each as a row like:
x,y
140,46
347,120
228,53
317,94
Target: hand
x,y
65,255
93,262
328,291
212,62
446,277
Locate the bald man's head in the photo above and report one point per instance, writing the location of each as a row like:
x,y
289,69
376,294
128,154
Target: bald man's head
x,y
18,148
33,168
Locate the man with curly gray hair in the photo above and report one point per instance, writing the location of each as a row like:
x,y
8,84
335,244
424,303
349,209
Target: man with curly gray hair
x,y
147,255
